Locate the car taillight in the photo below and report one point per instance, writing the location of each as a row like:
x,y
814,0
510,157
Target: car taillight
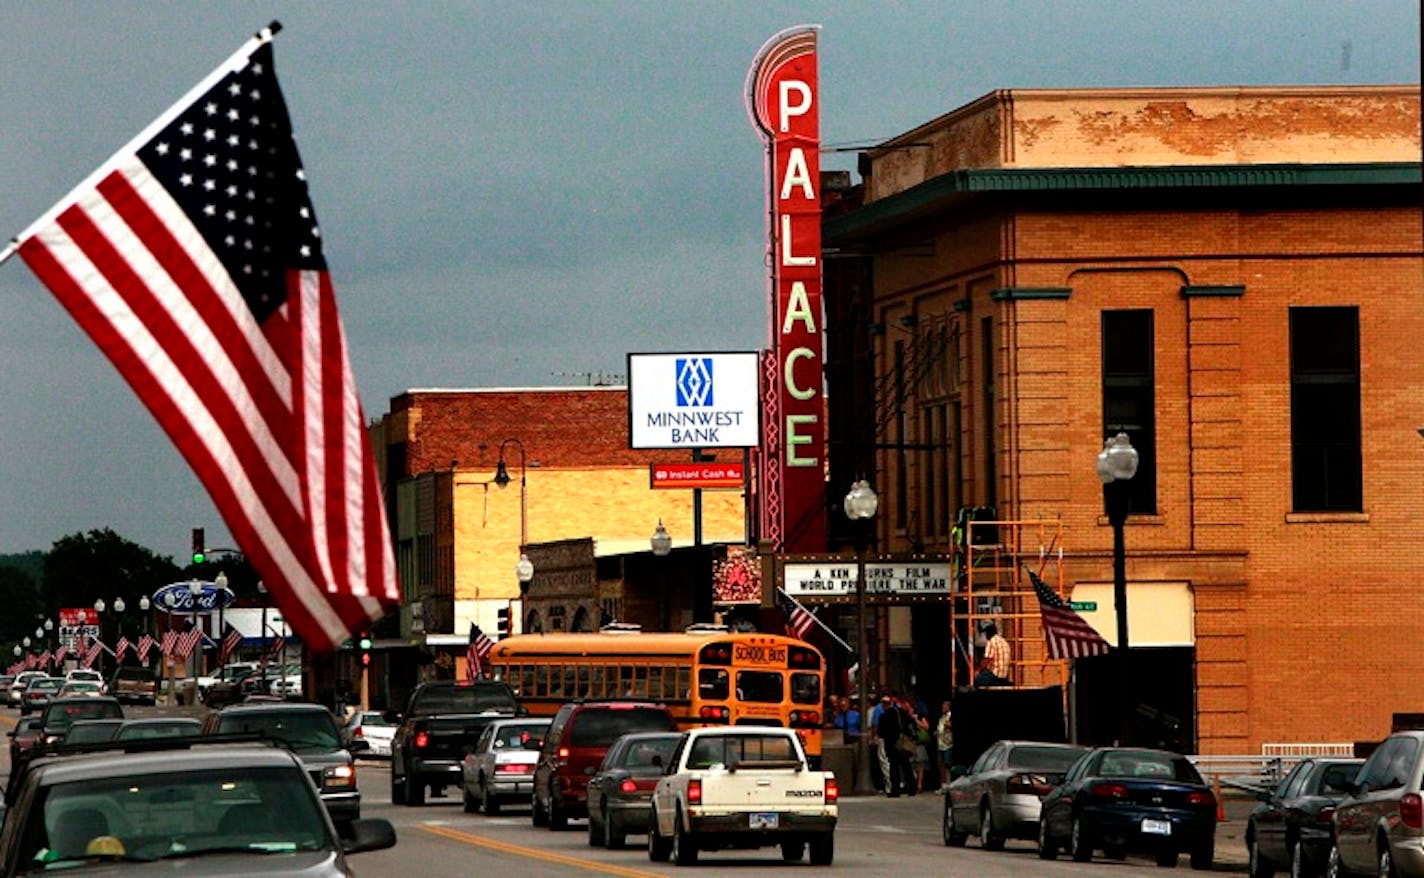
x,y
1027,785
1326,816
1108,790
833,791
421,740
513,768
1411,810
357,733
694,792
628,786
563,753
1201,800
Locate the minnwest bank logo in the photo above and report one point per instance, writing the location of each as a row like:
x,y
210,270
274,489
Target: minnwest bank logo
x,y
694,381
694,399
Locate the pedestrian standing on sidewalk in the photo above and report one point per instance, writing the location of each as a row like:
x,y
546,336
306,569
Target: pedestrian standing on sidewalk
x,y
944,741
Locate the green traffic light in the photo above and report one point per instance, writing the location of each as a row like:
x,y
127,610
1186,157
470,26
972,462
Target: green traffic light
x,y
365,643
199,557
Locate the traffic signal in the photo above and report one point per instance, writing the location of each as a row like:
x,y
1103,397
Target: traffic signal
x,y
503,624
199,553
363,643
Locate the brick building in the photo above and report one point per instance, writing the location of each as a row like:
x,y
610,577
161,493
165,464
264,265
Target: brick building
x,y
571,477
1232,276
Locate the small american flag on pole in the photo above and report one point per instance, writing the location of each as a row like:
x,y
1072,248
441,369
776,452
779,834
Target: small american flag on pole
x,y
477,652
187,641
278,644
145,643
798,619
120,648
1067,634
231,640
169,644
193,259
60,654
92,655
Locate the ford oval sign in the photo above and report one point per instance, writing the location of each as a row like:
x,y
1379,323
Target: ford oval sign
x,y
178,597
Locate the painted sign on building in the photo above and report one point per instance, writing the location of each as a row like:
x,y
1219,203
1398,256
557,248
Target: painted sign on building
x,y
784,103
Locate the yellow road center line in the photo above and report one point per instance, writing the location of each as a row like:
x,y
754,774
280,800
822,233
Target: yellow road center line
x,y
535,853
8,721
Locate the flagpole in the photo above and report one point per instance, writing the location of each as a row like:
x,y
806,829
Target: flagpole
x,y
235,62
817,619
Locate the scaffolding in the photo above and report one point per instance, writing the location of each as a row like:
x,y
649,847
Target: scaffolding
x,y
994,586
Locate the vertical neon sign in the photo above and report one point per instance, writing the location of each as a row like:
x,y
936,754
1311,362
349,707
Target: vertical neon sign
x,y
783,101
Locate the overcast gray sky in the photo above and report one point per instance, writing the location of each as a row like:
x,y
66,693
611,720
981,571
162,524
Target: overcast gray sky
x,y
519,193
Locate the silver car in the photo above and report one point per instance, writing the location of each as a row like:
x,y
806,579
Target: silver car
x,y
204,810
1379,826
501,767
1000,796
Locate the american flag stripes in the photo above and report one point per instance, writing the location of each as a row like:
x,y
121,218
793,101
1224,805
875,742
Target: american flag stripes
x,y
92,654
60,654
477,652
231,640
184,644
278,645
145,643
169,643
798,619
121,647
1067,634
193,260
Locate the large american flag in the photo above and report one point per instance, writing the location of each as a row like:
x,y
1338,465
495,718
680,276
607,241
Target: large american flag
x,y
193,259
1067,634
477,652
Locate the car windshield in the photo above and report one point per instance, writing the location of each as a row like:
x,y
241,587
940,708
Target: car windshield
x,y
1336,778
1150,765
516,734
91,731
600,727
60,715
48,684
374,720
178,815
463,699
304,730
645,752
731,749
1044,758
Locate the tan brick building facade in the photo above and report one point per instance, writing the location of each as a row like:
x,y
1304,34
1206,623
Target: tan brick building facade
x,y
997,254
458,532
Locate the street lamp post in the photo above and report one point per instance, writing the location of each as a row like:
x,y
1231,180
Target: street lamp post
x,y
662,545
860,506
523,568
144,606
195,590
1117,464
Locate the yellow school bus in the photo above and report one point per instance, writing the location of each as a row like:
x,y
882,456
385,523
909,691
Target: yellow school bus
x,y
706,676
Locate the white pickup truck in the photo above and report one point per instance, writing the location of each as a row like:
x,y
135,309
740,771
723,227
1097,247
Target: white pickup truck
x,y
742,787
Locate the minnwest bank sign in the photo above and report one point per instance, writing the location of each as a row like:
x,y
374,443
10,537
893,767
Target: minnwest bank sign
x,y
897,578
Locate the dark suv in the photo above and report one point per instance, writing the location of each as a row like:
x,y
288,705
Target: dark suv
x,y
310,732
578,739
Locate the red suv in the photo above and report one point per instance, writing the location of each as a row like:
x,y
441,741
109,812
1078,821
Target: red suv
x,y
577,740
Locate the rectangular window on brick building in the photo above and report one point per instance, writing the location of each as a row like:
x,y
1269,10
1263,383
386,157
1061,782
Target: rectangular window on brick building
x,y
901,463
1129,397
1325,410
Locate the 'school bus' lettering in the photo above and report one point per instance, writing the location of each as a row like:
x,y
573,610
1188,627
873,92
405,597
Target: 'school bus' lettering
x,y
756,654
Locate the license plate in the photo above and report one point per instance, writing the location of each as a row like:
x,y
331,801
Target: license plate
x,y
759,820
1156,827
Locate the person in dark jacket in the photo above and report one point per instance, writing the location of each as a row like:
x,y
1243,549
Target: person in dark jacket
x,y
893,722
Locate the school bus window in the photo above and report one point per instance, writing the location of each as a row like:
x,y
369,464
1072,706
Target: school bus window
x,y
596,684
761,687
541,680
583,681
683,690
655,683
712,684
806,688
640,681
570,686
625,681
526,679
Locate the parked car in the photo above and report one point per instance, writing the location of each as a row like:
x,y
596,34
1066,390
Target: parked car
x,y
578,739
20,683
219,810
1379,825
501,767
372,727
39,692
1291,828
621,791
23,737
999,797
308,730
1117,799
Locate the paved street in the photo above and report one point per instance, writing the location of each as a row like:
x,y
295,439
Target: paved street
x,y
876,836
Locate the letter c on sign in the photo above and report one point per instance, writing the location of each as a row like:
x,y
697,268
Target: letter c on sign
x,y
792,388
